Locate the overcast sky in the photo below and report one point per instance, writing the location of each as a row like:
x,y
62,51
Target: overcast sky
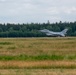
x,y
27,11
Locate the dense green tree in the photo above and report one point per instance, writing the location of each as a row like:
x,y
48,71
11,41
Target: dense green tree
x,y
32,29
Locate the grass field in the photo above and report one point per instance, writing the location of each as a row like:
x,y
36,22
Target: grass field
x,y
38,72
40,56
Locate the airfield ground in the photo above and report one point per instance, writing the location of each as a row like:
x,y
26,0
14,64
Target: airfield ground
x,y
38,56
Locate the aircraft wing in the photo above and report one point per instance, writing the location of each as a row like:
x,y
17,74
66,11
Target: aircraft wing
x,y
45,31
48,34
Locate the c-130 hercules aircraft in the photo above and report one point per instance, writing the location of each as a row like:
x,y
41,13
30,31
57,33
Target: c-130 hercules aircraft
x,y
51,33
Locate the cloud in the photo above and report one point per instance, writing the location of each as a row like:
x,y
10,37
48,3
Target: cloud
x,y
71,10
2,0
37,10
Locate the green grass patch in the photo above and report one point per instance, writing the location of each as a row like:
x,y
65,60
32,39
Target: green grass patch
x,y
5,43
39,67
48,57
71,57
11,48
38,57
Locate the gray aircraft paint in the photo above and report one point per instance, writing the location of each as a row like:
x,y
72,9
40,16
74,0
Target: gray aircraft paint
x,y
52,33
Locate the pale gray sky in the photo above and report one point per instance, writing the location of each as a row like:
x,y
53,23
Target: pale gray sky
x,y
27,11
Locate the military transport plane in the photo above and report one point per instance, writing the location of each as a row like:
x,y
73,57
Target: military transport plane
x,y
51,33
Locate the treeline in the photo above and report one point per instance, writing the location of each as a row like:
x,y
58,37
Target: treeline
x,y
32,29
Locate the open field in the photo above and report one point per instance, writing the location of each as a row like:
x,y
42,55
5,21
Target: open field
x,y
40,56
38,72
38,64
37,46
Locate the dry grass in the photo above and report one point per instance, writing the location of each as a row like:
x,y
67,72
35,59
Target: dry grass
x,y
34,47
37,46
38,72
37,64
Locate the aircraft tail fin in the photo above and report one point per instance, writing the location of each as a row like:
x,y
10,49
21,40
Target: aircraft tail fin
x,y
64,31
